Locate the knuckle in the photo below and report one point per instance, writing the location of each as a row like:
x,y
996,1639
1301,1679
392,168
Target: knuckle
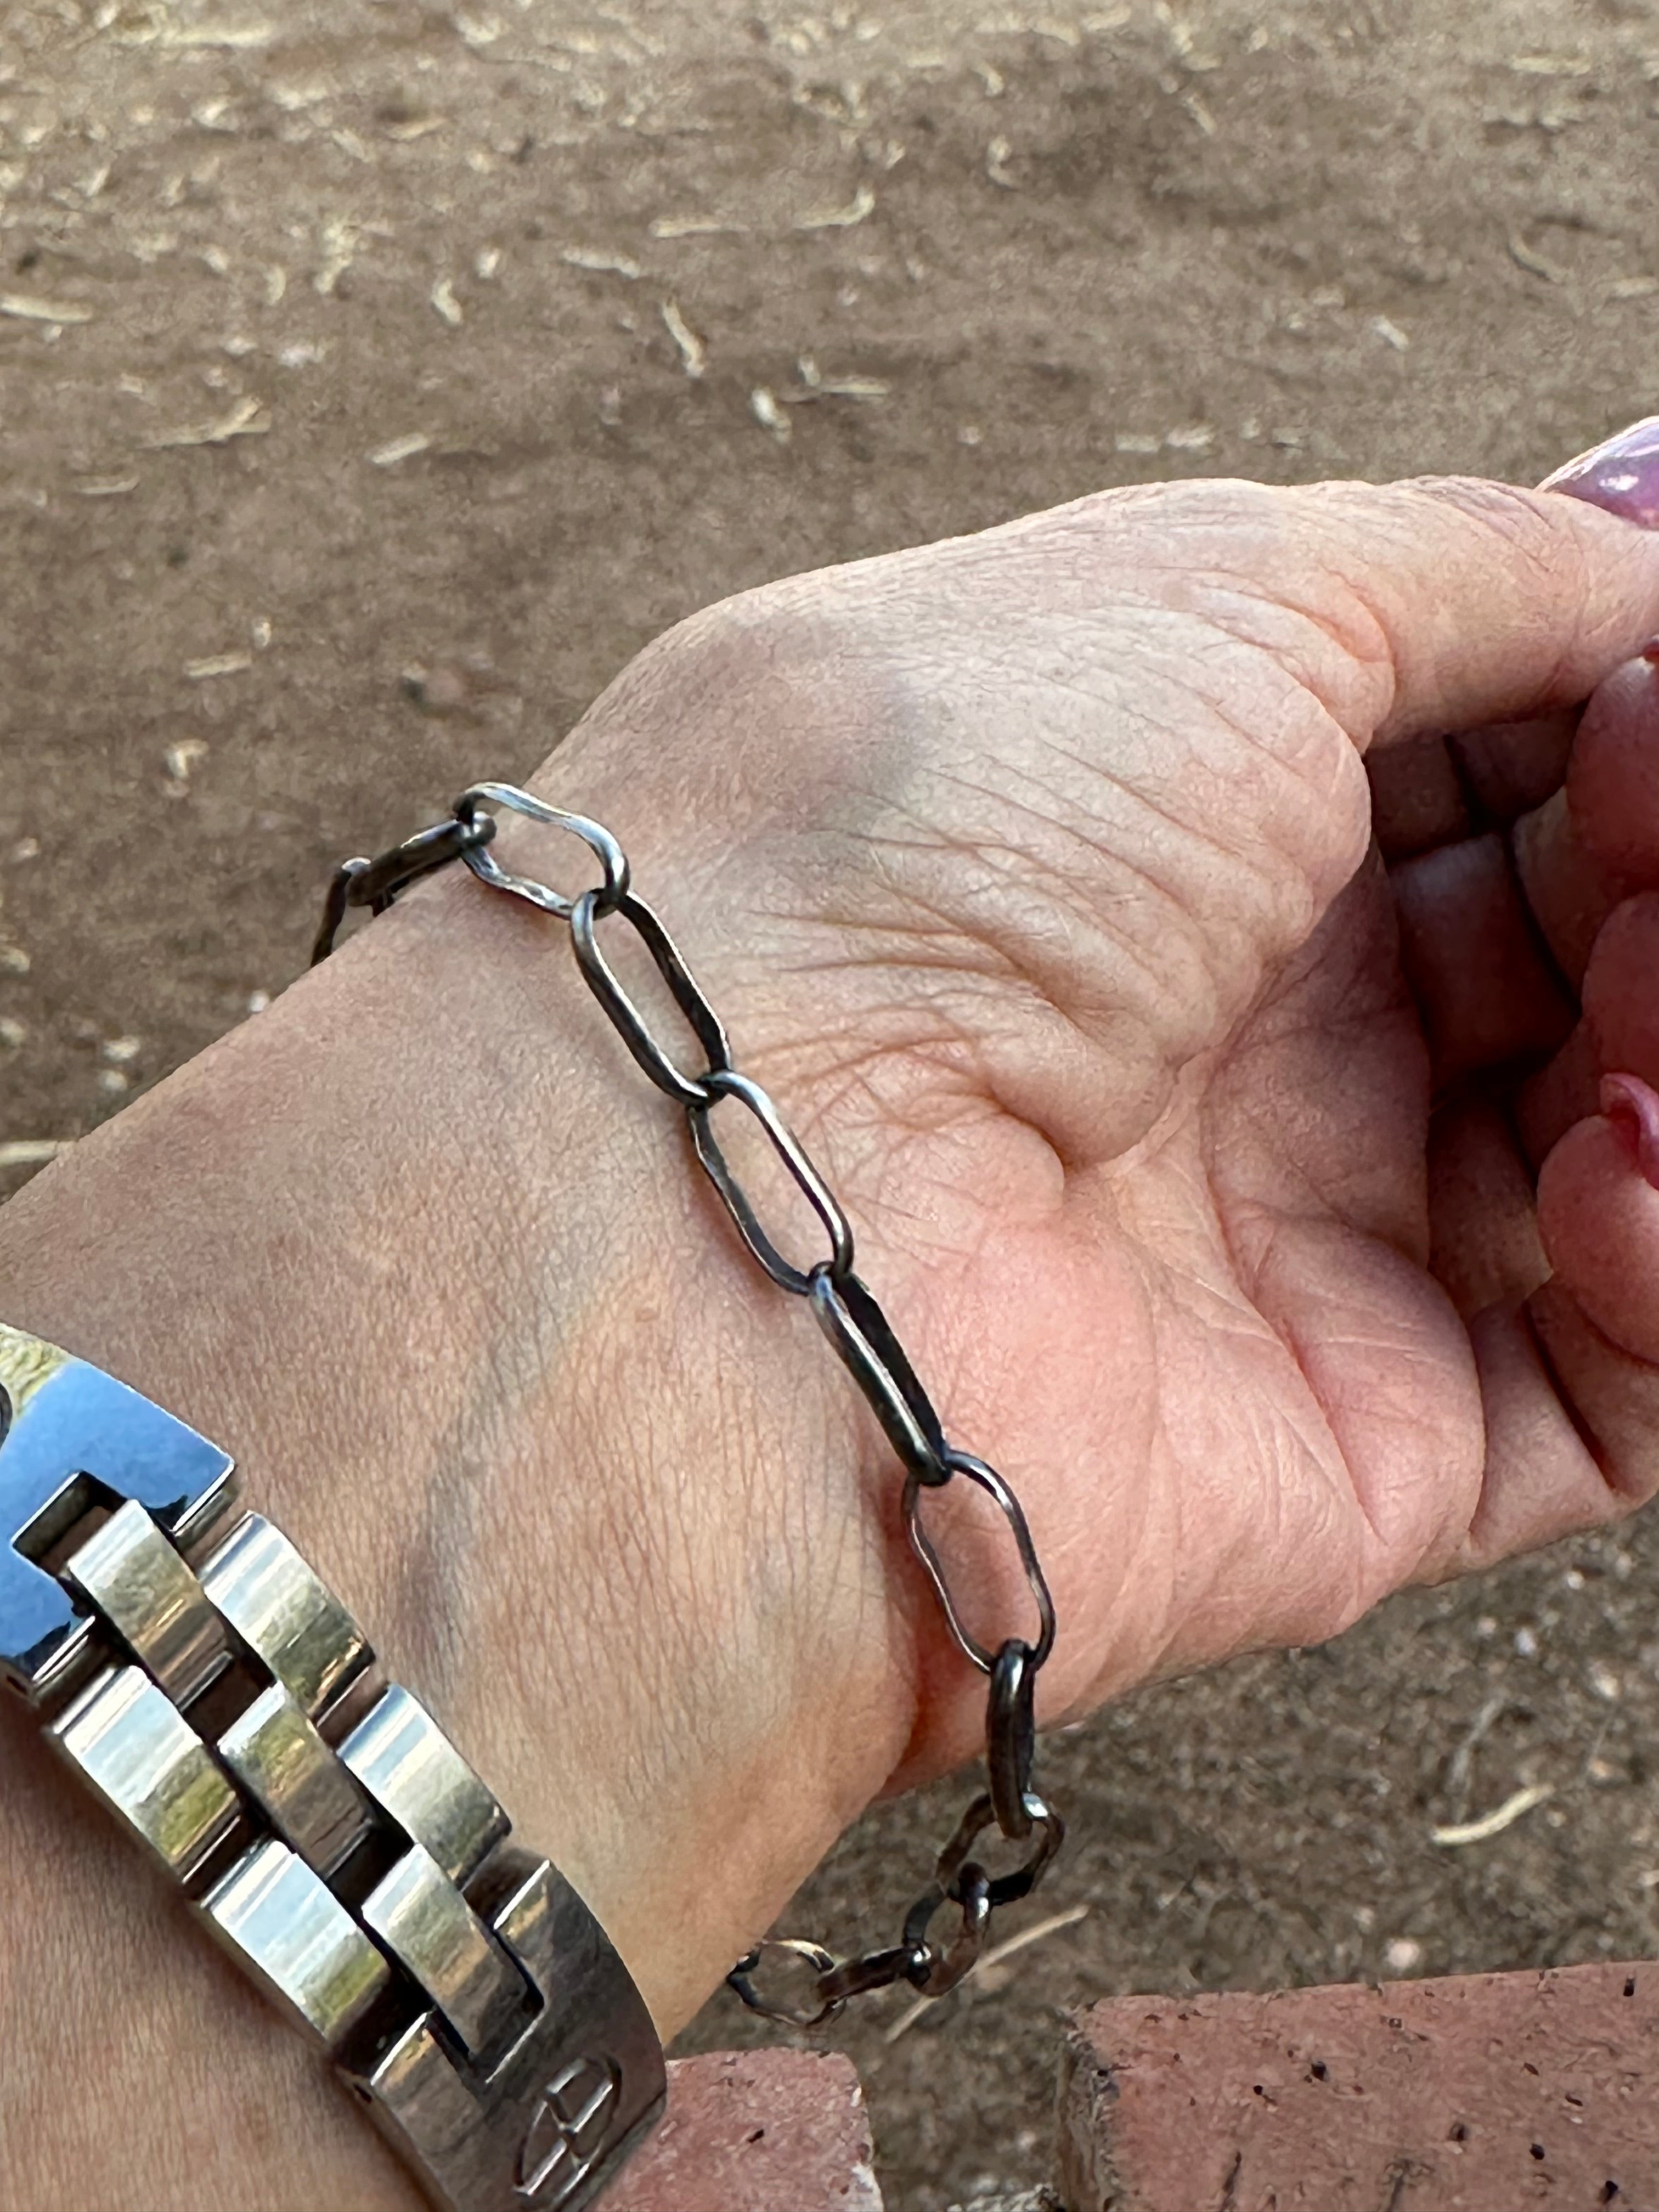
x,y
754,707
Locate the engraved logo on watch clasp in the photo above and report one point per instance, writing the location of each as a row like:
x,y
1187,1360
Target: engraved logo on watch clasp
x,y
567,2129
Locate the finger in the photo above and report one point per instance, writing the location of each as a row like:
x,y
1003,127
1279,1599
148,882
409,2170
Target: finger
x,y
1444,604
1484,1245
1612,774
1598,1213
1621,475
1596,839
1570,1429
1484,987
1547,1104
1509,767
1621,991
1633,1110
1568,894
1621,1030
1423,789
1479,936
1416,801
1570,1374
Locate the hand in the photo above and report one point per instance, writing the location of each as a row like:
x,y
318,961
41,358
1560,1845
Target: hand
x,y
1036,873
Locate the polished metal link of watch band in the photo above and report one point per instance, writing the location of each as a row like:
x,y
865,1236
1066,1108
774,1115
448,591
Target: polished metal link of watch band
x,y
222,1702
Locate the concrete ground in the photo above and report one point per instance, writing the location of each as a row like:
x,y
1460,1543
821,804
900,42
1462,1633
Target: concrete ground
x,y
375,378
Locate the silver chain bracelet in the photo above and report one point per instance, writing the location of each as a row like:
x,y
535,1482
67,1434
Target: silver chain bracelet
x,y
863,1338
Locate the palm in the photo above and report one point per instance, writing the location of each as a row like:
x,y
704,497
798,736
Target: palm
x,y
1338,1430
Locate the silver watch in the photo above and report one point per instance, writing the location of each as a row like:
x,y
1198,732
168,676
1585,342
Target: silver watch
x,y
217,1696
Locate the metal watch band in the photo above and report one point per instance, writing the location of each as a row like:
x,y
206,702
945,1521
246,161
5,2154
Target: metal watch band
x,y
220,1700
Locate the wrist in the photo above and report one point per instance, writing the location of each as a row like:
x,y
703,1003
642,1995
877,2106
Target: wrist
x,y
450,1290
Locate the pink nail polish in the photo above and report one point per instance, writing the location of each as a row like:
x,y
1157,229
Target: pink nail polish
x,y
1633,1109
1621,474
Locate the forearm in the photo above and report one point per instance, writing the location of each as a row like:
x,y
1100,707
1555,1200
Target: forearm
x,y
417,1248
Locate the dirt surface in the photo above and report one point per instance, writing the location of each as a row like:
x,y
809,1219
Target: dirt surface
x,y
375,378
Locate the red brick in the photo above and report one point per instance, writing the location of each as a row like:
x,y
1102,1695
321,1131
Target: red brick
x,y
756,2132
1414,2097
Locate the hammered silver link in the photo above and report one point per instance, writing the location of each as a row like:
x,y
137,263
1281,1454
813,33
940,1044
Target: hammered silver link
x,y
988,1479
866,1347
728,1083
945,1968
865,1342
625,1017
824,2005
489,870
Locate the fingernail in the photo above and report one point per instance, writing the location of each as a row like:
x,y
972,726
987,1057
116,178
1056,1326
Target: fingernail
x,y
1633,1110
1621,475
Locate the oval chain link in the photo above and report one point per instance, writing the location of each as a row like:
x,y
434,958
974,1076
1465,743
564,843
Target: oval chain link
x,y
863,1341
625,1016
727,1083
988,1479
598,839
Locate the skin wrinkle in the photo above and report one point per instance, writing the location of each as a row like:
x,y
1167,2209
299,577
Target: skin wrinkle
x,y
902,1168
1047,821
1157,986
1525,523
1048,824
1287,934
1259,1039
1013,957
1228,1223
1413,1247
1495,505
1047,1125
1404,1345
1499,506
1166,813
924,1024
1318,809
1307,672
1048,817
1215,1591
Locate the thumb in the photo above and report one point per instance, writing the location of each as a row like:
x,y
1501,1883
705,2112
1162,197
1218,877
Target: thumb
x,y
1487,603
